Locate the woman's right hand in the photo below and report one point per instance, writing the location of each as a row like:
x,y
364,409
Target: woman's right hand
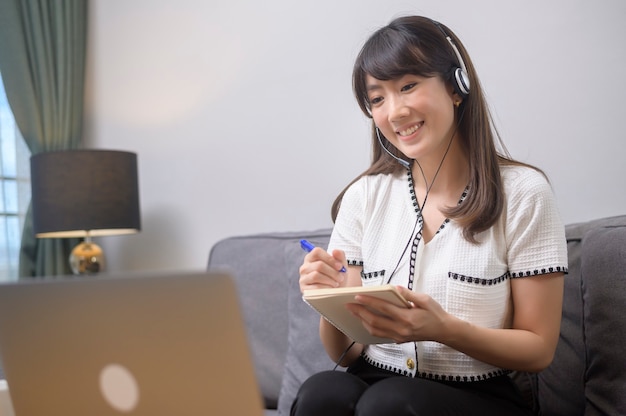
x,y
322,270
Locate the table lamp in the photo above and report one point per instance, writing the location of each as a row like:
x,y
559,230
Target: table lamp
x,y
85,193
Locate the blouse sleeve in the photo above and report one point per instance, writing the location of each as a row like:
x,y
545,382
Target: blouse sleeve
x,y
534,231
347,233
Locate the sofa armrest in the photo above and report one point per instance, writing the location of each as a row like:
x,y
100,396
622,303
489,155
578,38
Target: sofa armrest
x,y
604,296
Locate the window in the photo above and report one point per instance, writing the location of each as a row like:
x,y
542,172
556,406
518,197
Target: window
x,y
14,189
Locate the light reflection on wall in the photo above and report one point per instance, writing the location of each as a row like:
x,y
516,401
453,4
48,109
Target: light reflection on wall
x,y
160,76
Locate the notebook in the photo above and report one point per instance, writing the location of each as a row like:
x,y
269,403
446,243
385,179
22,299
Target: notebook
x,y
166,344
331,304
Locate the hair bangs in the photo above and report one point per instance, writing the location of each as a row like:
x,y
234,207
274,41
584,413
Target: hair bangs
x,y
389,54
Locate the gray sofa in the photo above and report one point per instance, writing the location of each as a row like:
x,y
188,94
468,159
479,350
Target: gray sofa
x,y
587,376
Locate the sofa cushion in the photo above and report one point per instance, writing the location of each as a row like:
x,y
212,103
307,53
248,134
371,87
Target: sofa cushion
x,y
604,294
305,352
257,265
561,386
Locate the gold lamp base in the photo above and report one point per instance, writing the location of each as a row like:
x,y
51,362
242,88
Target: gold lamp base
x,y
87,258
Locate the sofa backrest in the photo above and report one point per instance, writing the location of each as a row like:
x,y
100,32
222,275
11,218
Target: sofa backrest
x,y
587,375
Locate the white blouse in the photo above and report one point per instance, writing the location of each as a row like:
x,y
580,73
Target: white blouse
x,y
379,227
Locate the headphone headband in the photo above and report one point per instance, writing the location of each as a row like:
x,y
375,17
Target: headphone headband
x,y
462,82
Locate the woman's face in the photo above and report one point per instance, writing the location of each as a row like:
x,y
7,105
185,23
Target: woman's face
x,y
416,114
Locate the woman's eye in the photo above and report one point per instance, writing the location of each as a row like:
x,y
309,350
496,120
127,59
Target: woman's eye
x,y
376,100
408,87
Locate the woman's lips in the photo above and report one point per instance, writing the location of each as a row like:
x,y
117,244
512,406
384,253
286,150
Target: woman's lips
x,y
410,130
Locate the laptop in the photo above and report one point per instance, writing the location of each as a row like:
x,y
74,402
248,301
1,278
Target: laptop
x,y
165,344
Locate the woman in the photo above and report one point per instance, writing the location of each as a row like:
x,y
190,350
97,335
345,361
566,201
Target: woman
x,y
472,238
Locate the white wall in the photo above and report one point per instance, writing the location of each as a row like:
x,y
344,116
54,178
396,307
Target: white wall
x,y
242,116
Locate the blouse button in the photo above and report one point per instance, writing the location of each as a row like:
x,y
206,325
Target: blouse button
x,y
410,363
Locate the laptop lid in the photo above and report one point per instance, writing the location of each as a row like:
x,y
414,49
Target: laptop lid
x,y
169,344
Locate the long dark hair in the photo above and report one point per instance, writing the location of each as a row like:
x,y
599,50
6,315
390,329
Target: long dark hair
x,y
417,45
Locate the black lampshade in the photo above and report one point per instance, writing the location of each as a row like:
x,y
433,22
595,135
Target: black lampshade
x,y
80,191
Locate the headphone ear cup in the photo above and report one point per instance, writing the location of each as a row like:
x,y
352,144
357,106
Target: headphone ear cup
x,y
462,82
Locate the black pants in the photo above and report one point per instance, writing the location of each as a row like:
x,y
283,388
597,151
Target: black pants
x,y
367,391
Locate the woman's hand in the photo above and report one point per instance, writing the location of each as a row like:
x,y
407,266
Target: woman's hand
x,y
424,321
322,270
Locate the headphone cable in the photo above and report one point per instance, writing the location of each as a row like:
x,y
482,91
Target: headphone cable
x,y
428,188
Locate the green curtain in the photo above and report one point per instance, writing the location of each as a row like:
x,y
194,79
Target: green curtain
x,y
42,60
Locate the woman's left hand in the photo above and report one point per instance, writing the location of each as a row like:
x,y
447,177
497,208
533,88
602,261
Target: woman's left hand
x,y
424,321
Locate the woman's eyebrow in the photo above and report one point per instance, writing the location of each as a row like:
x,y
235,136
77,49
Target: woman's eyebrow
x,y
373,87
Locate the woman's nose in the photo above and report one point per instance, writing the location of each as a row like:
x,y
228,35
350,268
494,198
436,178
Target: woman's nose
x,y
397,109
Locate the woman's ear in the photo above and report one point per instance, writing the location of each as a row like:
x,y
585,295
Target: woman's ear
x,y
456,99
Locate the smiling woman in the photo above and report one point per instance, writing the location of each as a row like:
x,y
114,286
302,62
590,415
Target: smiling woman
x,y
14,188
468,235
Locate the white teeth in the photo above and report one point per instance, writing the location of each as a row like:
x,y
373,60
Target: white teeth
x,y
410,130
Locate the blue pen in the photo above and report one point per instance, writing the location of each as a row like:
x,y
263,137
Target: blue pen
x,y
308,247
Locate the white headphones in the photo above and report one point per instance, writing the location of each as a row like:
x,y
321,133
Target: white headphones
x,y
462,82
